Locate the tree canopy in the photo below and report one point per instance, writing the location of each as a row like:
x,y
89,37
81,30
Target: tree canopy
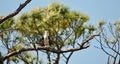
x,y
21,35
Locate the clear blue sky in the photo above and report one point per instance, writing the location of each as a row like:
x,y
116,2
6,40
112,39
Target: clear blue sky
x,y
95,9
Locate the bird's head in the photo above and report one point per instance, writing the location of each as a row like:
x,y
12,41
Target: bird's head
x,y
46,33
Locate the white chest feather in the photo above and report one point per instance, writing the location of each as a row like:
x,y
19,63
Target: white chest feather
x,y
46,38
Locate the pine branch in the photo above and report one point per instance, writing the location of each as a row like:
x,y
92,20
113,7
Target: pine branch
x,y
48,49
41,48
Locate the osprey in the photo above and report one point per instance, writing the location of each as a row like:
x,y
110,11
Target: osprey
x,y
46,39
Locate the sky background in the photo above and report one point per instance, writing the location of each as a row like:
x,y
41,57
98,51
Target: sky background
x,y
107,10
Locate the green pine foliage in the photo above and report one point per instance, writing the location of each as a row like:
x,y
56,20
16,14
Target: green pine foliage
x,y
55,18
63,24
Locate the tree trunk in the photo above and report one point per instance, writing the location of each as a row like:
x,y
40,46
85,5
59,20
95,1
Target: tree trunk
x,y
57,59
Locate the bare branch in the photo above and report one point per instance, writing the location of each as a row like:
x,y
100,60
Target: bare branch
x,y
102,47
57,59
48,49
15,12
48,57
67,58
90,37
42,48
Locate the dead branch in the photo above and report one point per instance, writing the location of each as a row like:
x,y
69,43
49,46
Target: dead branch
x,y
90,37
15,12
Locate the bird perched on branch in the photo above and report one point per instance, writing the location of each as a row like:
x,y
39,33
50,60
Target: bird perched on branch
x,y
46,38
